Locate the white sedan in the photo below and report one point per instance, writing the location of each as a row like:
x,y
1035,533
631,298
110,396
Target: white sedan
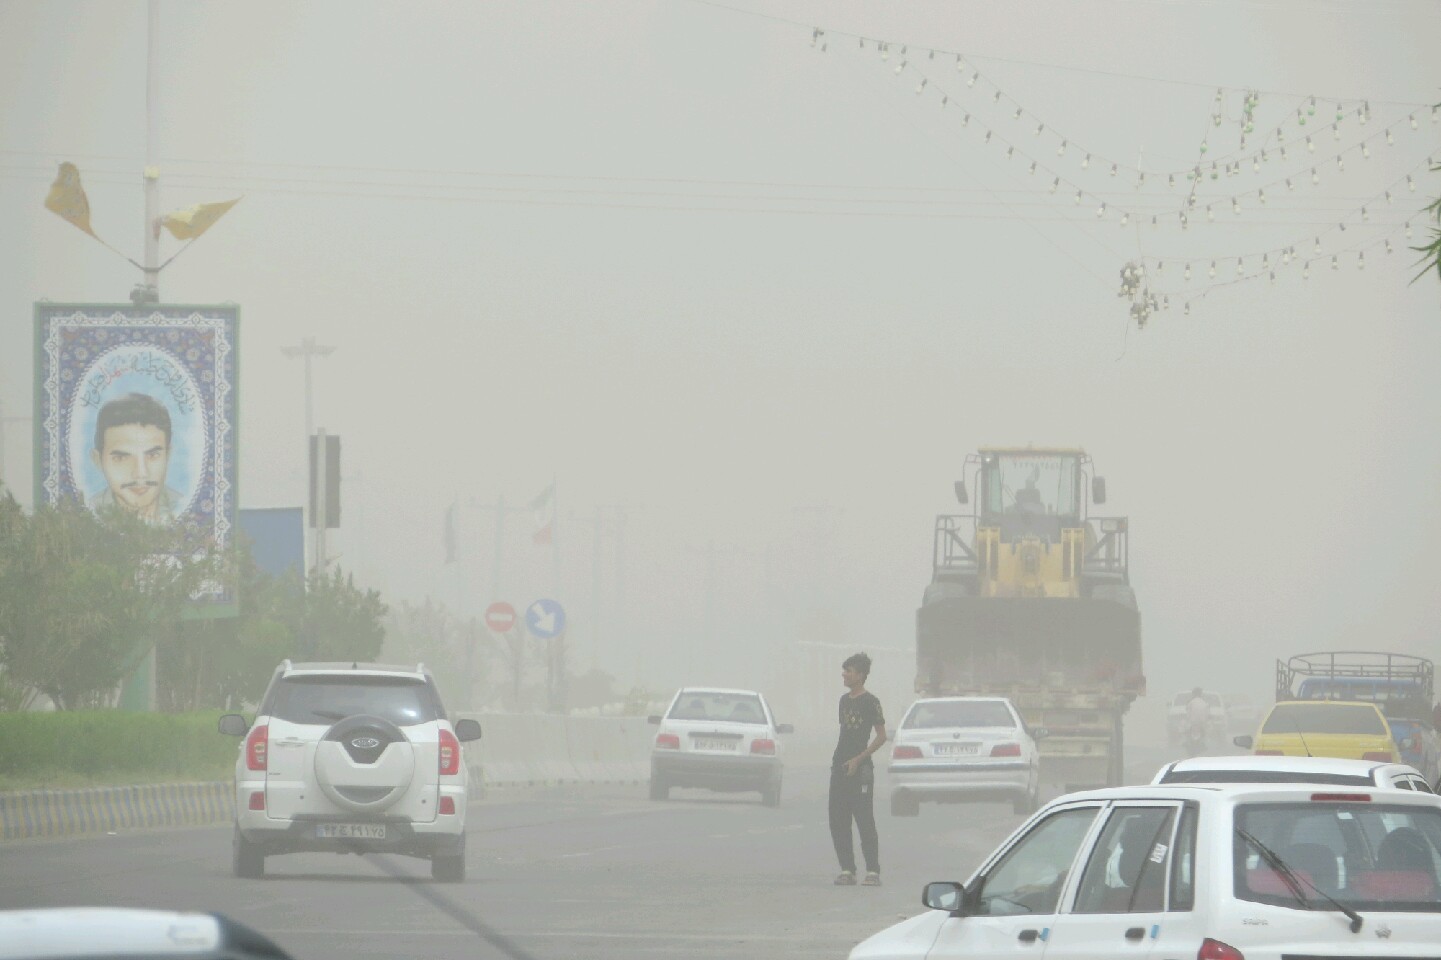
x,y
958,749
1239,872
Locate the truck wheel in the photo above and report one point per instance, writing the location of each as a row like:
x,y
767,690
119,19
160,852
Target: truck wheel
x,y
771,795
1116,765
659,789
904,805
246,860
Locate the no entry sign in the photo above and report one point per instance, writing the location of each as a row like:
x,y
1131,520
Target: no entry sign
x,y
500,616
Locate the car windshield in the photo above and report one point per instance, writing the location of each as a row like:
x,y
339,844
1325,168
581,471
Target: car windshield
x,y
1343,718
929,714
1368,856
325,699
717,706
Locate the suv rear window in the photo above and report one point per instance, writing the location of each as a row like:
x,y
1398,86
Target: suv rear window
x,y
1325,718
958,713
326,699
1369,856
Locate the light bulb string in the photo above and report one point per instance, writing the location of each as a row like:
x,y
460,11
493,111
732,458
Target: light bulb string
x,y
1060,180
1191,294
1353,219
942,52
1273,138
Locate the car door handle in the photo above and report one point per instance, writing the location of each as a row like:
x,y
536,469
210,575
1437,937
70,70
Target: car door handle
x,y
1135,933
1028,936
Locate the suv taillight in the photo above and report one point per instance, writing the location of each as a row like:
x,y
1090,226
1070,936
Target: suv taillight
x,y
257,747
906,751
449,754
667,741
1006,750
761,745
1216,950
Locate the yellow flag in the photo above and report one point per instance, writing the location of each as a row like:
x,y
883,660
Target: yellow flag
x,y
67,198
191,222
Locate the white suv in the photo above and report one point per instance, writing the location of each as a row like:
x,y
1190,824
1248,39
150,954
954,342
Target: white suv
x,y
350,758
1233,872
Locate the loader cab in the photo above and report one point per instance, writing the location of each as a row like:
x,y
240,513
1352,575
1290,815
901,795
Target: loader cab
x,y
1030,493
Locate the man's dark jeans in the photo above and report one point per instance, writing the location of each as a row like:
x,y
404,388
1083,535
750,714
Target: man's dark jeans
x,y
852,798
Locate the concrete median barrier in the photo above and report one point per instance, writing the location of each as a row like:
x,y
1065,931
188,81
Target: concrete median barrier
x,y
68,813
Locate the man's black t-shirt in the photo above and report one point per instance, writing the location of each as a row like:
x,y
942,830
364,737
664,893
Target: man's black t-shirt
x,y
859,717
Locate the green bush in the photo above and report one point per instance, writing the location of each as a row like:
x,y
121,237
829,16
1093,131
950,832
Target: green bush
x,y
111,746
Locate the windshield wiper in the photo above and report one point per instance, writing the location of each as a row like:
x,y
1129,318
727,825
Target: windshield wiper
x,y
1294,881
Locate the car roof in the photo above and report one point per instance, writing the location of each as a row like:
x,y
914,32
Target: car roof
x,y
1326,703
963,700
1233,793
727,690
1289,765
354,668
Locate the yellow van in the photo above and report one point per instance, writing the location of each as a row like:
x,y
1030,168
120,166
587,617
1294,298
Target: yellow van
x,y
1350,730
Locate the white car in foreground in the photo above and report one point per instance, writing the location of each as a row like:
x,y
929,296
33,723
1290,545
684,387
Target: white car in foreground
x,y
724,740
1273,769
124,933
1243,872
350,758
958,749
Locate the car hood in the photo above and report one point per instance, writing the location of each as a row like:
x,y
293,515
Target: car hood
x,y
907,939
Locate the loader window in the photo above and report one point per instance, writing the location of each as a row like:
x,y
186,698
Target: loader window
x,y
1031,484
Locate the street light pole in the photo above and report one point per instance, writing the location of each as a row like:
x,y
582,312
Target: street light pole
x,y
308,349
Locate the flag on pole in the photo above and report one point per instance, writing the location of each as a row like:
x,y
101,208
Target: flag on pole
x,y
67,198
449,534
542,507
191,222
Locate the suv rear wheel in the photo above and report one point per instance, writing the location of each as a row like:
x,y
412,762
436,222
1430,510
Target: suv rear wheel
x,y
245,858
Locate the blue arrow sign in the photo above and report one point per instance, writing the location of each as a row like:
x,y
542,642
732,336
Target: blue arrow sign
x,y
545,619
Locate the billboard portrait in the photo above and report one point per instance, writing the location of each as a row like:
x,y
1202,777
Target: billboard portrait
x,y
136,413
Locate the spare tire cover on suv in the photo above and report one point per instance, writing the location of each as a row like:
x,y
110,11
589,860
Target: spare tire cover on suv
x,y
364,763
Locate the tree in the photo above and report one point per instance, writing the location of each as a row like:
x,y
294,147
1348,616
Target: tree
x,y
1431,252
80,598
338,620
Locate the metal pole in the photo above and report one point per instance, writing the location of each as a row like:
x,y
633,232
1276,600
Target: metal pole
x,y
322,479
595,592
152,138
307,351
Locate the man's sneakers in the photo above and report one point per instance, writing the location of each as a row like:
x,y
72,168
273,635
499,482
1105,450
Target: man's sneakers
x,y
847,878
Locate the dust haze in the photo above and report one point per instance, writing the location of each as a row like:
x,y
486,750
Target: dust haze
x,y
749,305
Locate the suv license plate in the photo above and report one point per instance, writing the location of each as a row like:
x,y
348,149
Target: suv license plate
x,y
366,831
729,745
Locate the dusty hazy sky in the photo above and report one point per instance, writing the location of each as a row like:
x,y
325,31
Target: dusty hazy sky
x,y
769,297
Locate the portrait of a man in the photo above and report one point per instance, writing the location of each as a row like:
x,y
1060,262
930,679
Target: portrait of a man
x,y
132,450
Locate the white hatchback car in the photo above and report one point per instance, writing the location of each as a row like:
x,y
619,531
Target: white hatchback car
x,y
1245,872
957,749
726,740
349,758
1274,769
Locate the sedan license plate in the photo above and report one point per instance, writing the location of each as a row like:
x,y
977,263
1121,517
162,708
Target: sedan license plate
x,y
702,743
954,749
364,831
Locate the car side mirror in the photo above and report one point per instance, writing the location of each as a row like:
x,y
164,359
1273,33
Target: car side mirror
x,y
1040,733
785,728
944,895
961,495
1245,743
653,719
467,729
234,725
1098,489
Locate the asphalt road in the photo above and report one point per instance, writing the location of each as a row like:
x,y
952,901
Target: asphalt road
x,y
599,875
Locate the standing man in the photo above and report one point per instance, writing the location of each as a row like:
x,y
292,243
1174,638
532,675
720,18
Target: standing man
x,y
853,775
